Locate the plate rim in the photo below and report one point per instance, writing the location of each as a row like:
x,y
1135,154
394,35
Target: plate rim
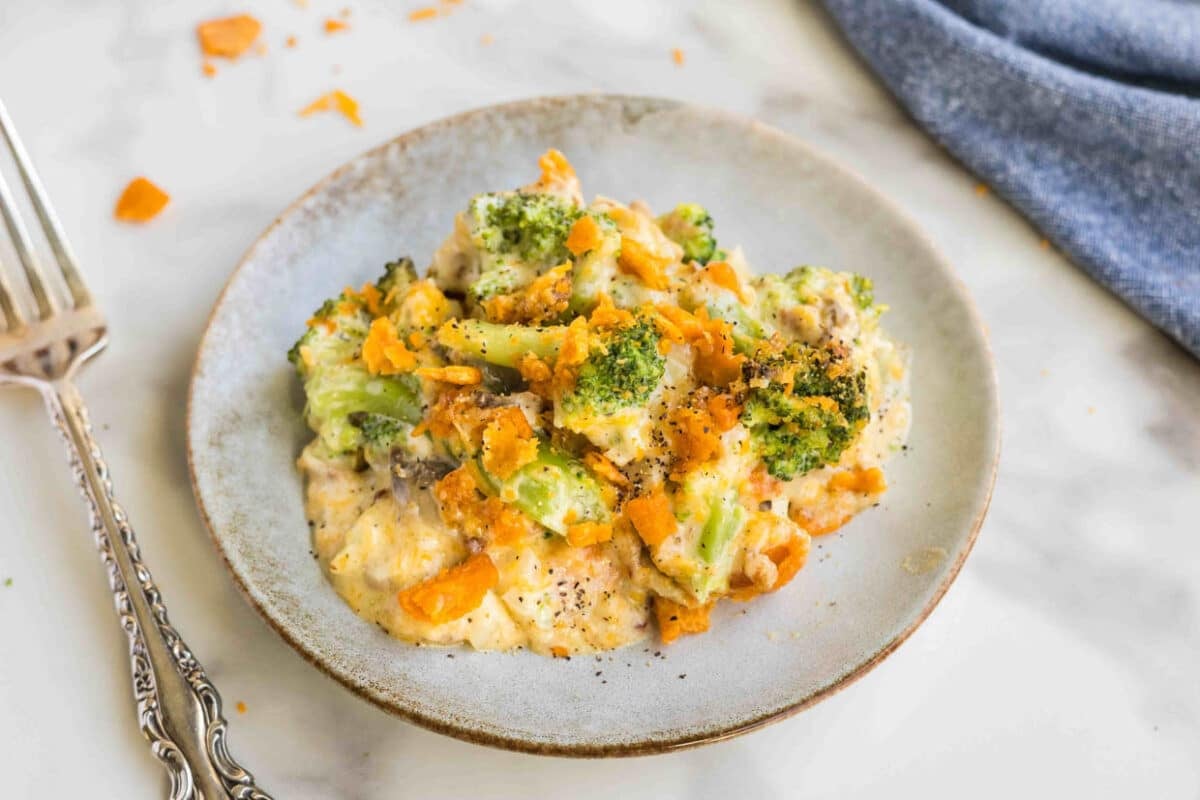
x,y
650,745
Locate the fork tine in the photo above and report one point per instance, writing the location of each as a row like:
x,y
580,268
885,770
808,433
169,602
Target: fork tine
x,y
12,315
20,239
45,212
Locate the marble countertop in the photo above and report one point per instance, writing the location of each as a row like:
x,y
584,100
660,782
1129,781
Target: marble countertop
x,y
1063,662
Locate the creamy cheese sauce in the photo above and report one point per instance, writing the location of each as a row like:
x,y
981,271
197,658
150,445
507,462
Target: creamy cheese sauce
x,y
551,598
733,526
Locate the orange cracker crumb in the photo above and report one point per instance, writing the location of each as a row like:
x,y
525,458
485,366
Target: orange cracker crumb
x,y
228,37
345,12
486,39
452,593
290,41
209,69
677,56
334,25
382,351
1044,244
141,201
675,620
458,375
586,534
241,707
337,100
981,189
420,14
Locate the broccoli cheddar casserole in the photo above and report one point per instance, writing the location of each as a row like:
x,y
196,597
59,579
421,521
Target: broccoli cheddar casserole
x,y
587,421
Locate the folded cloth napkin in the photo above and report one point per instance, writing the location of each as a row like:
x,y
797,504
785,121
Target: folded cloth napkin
x,y
1085,114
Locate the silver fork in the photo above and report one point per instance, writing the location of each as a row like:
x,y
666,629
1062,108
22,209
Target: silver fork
x,y
178,707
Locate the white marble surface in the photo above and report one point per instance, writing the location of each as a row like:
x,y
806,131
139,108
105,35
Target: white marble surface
x,y
1063,662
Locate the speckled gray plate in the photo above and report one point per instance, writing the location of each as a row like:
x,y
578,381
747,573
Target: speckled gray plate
x,y
864,591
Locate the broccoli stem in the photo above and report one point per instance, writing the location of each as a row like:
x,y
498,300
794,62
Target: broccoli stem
x,y
724,520
503,345
551,489
713,547
335,393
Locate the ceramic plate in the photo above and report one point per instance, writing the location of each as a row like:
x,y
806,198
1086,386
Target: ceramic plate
x,y
865,588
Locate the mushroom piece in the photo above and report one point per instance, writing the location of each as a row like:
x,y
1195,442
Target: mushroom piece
x,y
409,473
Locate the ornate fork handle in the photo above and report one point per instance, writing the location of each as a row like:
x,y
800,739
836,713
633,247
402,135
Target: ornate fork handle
x,y
178,707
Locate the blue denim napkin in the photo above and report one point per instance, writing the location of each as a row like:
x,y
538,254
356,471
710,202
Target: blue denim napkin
x,y
1085,114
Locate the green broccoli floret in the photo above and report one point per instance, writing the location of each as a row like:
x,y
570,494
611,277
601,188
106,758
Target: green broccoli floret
x,y
808,284
337,329
793,436
397,276
622,371
595,271
863,290
555,489
825,378
804,285
721,303
690,226
534,227
335,334
338,395
338,387
518,235
798,300
805,406
379,431
498,279
747,329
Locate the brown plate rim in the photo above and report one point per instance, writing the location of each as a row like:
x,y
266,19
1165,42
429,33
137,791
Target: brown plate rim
x,y
648,746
